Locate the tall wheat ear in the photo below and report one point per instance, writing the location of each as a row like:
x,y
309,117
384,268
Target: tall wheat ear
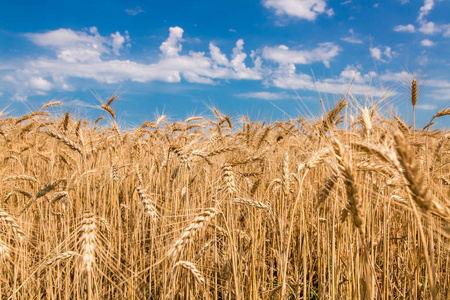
x,y
417,195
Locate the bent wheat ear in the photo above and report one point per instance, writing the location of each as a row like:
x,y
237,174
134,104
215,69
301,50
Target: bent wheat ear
x,y
411,172
441,113
59,257
9,221
149,206
191,268
111,100
346,170
190,232
251,203
109,110
50,104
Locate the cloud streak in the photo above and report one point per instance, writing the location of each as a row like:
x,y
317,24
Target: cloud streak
x,y
283,55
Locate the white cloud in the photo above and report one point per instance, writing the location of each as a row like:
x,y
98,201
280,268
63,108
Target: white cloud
x,y
352,40
405,28
441,94
134,11
264,95
427,43
425,9
429,28
88,55
217,56
381,55
40,83
426,106
388,52
283,55
446,29
303,9
286,77
438,83
118,41
396,77
79,46
172,45
375,53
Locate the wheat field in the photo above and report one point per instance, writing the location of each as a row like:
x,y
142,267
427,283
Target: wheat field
x,y
221,208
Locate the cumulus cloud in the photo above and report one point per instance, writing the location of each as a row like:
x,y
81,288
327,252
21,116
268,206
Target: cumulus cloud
x,y
79,46
89,55
283,55
118,41
427,43
381,55
40,83
217,56
302,9
429,28
375,53
405,28
172,45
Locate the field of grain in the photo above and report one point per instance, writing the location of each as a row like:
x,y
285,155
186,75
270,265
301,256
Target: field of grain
x,y
224,208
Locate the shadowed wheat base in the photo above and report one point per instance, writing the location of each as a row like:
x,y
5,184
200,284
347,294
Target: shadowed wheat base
x,y
224,209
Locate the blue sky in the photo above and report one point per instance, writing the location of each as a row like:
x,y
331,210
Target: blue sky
x,y
270,59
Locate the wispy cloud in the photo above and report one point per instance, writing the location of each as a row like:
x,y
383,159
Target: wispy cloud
x,y
350,80
283,55
308,10
134,11
441,94
405,28
425,9
352,38
426,106
265,95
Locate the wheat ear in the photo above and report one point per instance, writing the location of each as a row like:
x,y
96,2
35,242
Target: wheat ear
x,y
191,268
190,232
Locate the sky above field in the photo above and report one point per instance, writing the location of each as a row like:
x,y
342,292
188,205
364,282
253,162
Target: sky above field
x,y
270,59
